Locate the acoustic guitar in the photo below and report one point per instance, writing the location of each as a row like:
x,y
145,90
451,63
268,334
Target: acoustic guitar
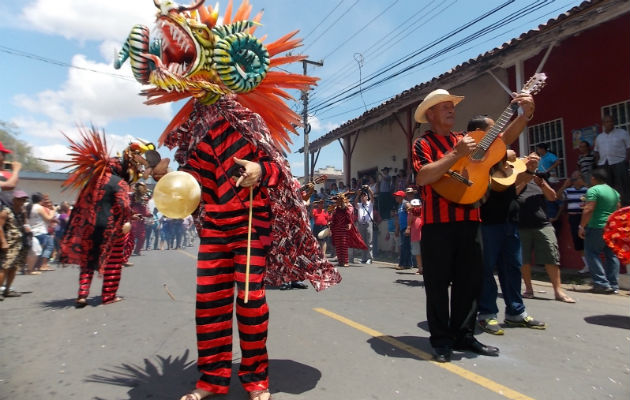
x,y
504,174
468,179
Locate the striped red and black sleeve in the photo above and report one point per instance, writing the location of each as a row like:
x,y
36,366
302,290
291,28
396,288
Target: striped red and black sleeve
x,y
428,149
212,163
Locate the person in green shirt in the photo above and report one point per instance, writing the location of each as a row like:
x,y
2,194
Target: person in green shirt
x,y
601,201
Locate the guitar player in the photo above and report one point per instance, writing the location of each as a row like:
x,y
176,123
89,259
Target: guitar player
x,y
501,242
451,242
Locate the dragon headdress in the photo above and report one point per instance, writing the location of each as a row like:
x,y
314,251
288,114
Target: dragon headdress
x,y
192,55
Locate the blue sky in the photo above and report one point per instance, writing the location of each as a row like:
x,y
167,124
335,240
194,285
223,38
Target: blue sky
x,y
359,41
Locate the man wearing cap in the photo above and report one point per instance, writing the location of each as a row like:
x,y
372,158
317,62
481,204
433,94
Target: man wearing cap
x,y
9,171
415,231
451,243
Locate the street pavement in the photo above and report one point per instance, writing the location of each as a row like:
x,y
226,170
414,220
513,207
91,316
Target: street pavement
x,y
366,338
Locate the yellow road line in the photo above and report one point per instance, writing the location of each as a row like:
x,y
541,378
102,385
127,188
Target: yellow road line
x,y
464,373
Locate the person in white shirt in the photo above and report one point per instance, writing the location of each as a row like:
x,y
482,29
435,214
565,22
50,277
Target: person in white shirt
x,y
612,152
40,214
365,209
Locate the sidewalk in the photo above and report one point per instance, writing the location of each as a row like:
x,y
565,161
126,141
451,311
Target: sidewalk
x,y
570,277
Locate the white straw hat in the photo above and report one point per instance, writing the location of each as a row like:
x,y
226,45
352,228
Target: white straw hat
x,y
435,97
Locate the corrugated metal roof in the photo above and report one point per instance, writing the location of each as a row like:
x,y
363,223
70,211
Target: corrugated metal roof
x,y
408,96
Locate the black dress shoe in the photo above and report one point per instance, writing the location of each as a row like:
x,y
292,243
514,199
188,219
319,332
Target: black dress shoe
x,y
442,354
285,286
299,285
469,343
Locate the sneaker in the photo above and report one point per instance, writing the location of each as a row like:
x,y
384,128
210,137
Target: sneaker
x,y
602,289
527,322
369,261
491,325
584,270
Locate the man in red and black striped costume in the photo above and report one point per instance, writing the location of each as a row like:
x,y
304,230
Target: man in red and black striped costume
x,y
222,154
226,147
451,245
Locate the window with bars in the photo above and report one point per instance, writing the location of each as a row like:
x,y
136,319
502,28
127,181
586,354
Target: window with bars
x,y
551,133
620,113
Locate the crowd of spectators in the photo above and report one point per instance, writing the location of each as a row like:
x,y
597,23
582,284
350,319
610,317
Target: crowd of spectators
x,y
31,227
387,209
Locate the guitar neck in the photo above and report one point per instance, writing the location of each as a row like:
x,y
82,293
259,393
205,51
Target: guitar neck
x,y
485,143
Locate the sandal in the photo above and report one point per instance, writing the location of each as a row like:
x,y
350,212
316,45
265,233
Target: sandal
x,y
80,303
259,395
528,295
565,299
114,300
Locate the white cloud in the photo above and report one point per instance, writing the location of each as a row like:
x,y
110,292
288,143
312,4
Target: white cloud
x,y
317,126
87,97
88,19
115,143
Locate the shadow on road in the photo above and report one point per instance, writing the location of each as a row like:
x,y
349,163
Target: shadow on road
x,y
410,282
424,325
60,303
170,378
614,321
382,345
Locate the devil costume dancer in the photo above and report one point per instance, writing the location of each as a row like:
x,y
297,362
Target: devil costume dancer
x,y
344,233
229,135
95,239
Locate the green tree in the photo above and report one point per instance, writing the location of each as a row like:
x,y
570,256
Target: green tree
x,y
22,151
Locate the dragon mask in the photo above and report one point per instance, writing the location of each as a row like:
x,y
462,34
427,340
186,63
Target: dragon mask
x,y
189,54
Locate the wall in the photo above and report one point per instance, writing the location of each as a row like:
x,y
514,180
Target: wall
x,y
53,188
585,72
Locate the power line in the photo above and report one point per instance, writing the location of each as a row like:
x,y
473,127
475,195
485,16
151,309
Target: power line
x,y
418,52
345,95
33,56
331,25
321,22
345,41
383,42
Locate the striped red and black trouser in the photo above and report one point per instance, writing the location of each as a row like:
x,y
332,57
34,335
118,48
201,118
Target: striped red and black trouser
x,y
340,241
111,273
221,263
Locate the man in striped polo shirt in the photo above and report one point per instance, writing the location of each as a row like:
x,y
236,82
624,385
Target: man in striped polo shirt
x,y
573,192
451,243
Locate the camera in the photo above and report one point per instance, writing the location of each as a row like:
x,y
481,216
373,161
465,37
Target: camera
x,y
8,165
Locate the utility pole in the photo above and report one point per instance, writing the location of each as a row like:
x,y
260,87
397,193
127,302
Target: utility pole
x,y
307,127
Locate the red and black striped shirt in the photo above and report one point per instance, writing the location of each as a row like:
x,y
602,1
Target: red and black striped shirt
x,y
213,165
427,149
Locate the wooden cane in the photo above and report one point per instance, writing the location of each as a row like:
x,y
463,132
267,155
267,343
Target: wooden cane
x,y
249,242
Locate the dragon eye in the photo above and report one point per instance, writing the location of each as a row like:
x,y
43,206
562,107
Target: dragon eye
x,y
203,33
